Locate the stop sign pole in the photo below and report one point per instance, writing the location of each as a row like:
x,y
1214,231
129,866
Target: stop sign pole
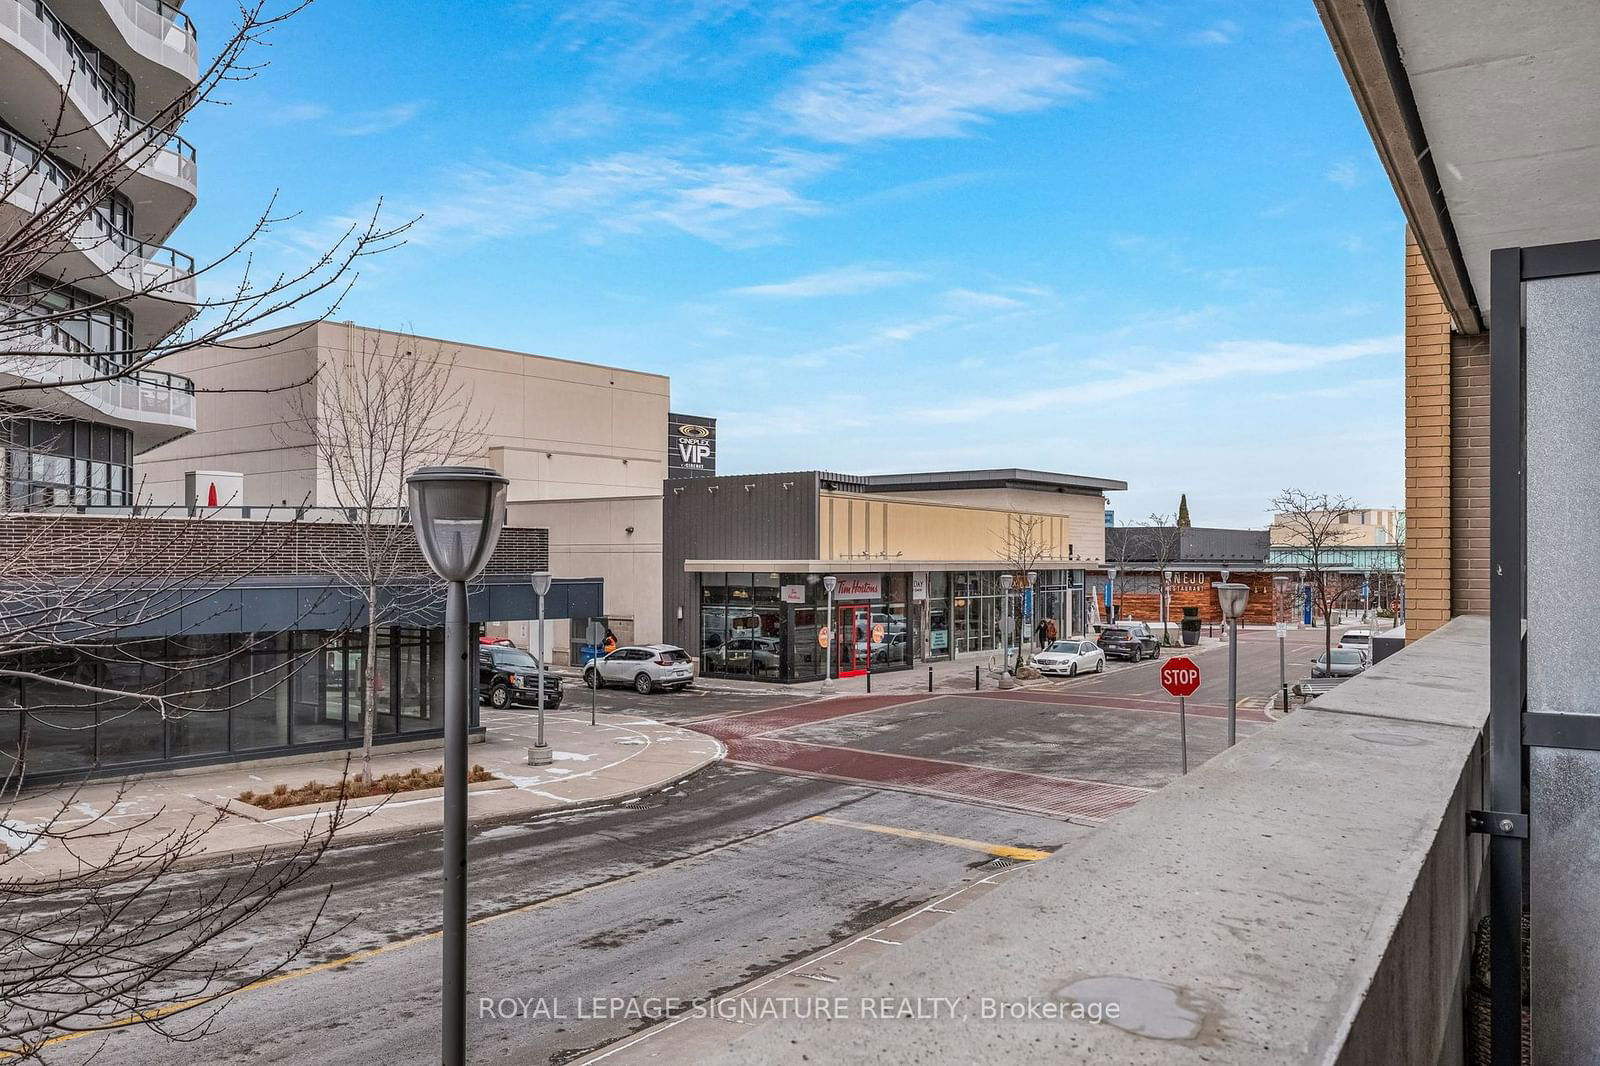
x,y
1181,678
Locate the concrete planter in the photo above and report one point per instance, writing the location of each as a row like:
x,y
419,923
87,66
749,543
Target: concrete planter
x,y
266,814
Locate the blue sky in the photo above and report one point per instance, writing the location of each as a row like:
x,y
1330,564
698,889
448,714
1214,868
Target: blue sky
x,y
1140,240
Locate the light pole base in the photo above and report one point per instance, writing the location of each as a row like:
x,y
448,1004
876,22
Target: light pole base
x,y
1006,681
827,688
540,755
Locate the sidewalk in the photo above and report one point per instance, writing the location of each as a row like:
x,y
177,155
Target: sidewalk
x,y
622,756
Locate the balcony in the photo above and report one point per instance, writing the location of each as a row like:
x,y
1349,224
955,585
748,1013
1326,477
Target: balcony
x,y
1307,896
155,406
162,166
114,263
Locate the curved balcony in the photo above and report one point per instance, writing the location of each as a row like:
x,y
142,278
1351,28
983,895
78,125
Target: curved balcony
x,y
151,39
155,406
157,282
161,166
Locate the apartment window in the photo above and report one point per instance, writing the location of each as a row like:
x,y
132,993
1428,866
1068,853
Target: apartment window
x,y
65,463
107,330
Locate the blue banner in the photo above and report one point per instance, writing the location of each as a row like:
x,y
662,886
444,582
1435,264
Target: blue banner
x,y
1027,603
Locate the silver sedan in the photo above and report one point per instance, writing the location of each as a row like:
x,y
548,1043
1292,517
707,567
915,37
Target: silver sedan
x,y
1069,658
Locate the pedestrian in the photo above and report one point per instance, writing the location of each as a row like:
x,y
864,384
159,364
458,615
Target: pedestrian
x,y
1049,631
610,641
1040,631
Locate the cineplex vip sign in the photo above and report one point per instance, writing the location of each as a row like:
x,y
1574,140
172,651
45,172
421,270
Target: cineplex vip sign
x,y
691,446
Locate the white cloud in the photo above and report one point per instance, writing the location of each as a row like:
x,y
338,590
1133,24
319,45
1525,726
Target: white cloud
x,y
366,123
928,73
287,114
972,300
1225,360
843,281
733,204
1222,32
1345,175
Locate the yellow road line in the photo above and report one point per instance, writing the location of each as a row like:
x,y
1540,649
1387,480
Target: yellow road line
x,y
1003,851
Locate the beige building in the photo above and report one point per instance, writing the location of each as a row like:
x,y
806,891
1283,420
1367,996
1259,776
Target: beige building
x,y
1358,527
583,445
926,566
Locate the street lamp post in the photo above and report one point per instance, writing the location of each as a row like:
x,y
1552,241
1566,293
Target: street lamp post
x,y
1232,598
1282,583
1111,604
540,754
457,513
1166,606
1005,631
829,583
1032,612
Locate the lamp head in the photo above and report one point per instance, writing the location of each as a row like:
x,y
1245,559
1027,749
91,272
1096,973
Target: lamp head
x,y
457,513
541,583
829,583
1232,598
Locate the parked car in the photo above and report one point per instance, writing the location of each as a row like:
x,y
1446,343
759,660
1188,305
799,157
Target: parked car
x,y
646,667
508,675
1360,639
1069,658
502,642
1347,662
1130,640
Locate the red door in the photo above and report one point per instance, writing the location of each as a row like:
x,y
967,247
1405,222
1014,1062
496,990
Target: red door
x,y
853,623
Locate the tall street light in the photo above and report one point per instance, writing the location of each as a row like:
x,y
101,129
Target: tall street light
x,y
1111,600
1282,583
1232,598
1166,605
829,583
1005,631
540,754
1033,610
457,513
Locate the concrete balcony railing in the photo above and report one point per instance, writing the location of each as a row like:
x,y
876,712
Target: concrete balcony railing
x,y
1305,897
36,32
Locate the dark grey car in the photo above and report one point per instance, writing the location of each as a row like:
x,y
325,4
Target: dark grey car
x,y
1130,640
1347,662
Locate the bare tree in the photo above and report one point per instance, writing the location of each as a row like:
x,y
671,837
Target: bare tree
x,y
108,936
375,416
1022,545
1312,526
56,253
1161,543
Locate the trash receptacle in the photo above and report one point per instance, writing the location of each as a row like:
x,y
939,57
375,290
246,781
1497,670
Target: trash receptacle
x,y
1190,626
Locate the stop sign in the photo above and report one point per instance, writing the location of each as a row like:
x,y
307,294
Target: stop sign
x,y
1180,676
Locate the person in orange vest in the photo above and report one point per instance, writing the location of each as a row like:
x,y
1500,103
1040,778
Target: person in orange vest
x,y
610,642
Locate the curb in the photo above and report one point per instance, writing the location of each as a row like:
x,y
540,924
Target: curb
x,y
269,814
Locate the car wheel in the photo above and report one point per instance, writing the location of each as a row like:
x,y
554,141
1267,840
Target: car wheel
x,y
591,677
1072,671
1136,656
1100,667
499,697
643,685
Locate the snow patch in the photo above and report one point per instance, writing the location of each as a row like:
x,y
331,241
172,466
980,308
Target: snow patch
x,y
570,756
19,838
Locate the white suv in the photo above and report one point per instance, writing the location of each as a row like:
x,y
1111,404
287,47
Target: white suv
x,y
1360,639
646,667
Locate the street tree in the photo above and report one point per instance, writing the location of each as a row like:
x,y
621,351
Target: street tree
x,y
103,931
388,406
1022,545
47,302
1183,511
1161,541
1313,526
117,937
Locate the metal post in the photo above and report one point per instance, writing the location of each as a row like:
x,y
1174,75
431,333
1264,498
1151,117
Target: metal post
x,y
977,678
930,679
454,1032
540,754
1183,734
829,651
1283,670
1233,681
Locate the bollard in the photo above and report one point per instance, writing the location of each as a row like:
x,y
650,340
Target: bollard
x,y
930,679
869,682
977,679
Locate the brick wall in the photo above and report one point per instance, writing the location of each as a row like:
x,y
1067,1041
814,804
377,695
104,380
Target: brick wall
x,y
1193,589
1469,473
167,548
1428,450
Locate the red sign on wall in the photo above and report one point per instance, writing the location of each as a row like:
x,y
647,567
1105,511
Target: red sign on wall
x,y
1180,676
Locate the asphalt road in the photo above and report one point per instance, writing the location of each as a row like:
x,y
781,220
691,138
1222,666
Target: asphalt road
x,y
687,893
682,895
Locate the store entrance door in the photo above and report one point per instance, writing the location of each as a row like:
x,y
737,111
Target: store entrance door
x,y
853,624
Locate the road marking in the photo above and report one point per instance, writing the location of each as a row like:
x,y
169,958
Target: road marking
x,y
158,1013
1002,851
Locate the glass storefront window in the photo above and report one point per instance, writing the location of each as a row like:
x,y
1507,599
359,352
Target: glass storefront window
x,y
804,654
714,588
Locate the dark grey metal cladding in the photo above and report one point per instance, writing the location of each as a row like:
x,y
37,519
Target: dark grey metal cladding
x,y
754,516
1197,546
266,605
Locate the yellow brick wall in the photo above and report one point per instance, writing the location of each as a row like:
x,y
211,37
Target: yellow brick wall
x,y
1428,437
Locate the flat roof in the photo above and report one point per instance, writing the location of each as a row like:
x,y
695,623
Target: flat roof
x,y
998,478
